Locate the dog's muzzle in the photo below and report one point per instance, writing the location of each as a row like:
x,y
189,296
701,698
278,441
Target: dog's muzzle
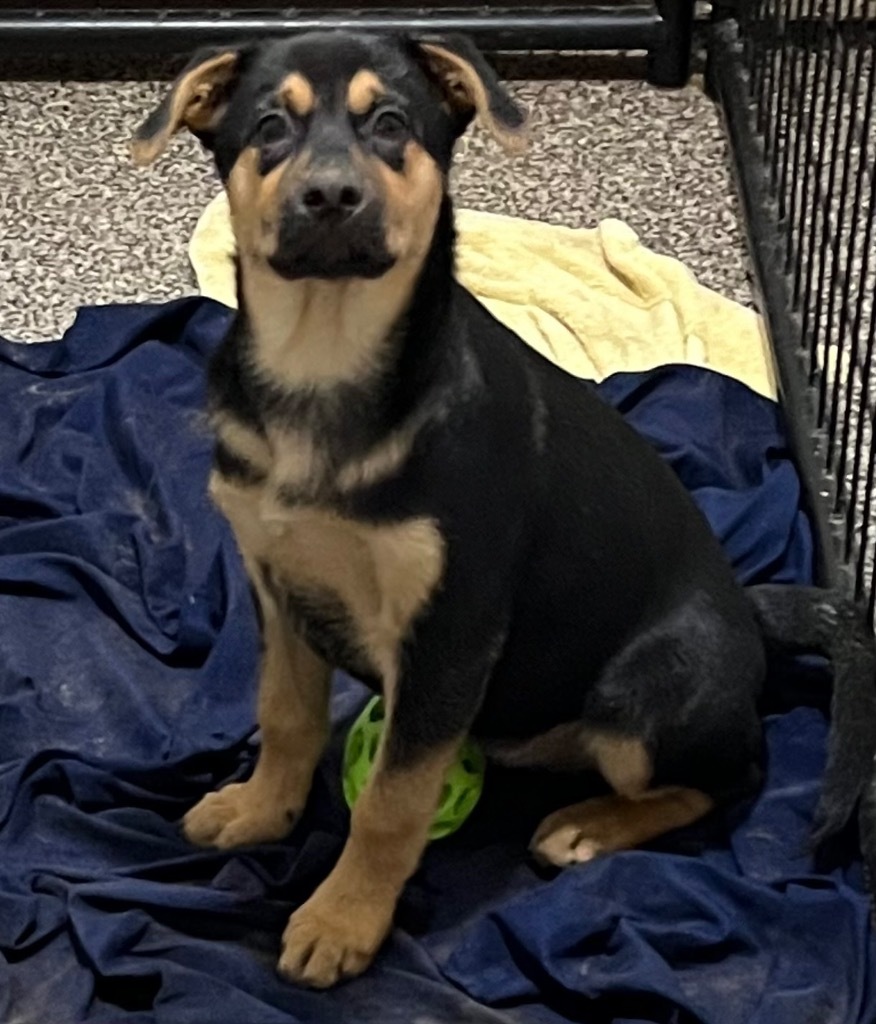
x,y
332,227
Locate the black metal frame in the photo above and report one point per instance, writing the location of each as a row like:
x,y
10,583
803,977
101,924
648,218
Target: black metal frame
x,y
661,28
796,80
728,83
798,98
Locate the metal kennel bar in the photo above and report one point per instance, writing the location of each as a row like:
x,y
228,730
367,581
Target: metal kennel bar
x,y
661,28
797,82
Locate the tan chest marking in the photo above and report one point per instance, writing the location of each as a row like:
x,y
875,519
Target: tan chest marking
x,y
384,575
243,441
294,459
305,468
300,463
379,463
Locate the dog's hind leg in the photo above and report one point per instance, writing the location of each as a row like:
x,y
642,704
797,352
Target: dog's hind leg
x,y
632,815
672,727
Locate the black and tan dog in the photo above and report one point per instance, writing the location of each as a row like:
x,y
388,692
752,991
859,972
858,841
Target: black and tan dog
x,y
422,500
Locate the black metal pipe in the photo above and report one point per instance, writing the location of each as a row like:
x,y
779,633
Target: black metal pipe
x,y
85,33
669,63
728,82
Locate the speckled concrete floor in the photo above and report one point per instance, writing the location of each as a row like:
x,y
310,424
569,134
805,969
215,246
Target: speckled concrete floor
x,y
79,225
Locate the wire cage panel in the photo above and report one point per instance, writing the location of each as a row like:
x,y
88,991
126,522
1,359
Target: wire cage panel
x,y
807,74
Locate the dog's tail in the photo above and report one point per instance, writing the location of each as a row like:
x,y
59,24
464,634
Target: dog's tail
x,y
810,620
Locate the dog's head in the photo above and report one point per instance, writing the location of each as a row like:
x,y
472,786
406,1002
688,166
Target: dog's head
x,y
334,147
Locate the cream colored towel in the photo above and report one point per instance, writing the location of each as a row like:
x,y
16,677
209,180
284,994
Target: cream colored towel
x,y
595,301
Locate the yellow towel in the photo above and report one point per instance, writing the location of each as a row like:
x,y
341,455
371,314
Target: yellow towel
x,y
595,301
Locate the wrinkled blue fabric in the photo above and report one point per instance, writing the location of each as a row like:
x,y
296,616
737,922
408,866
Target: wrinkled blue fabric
x,y
127,690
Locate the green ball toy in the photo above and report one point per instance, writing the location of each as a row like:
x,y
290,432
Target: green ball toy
x,y
462,787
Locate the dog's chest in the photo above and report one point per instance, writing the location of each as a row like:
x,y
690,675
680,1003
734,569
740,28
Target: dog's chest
x,y
359,586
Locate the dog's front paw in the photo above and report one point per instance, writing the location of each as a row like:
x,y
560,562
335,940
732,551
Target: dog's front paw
x,y
328,940
239,814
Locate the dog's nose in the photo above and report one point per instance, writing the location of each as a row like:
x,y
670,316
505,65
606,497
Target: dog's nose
x,y
331,194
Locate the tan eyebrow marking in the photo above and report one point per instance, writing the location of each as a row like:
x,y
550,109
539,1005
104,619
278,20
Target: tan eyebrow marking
x,y
298,94
364,90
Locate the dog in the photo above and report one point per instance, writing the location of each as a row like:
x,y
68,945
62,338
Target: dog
x,y
423,501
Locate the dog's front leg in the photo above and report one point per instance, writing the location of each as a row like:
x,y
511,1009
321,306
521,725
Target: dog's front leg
x,y
337,933
293,716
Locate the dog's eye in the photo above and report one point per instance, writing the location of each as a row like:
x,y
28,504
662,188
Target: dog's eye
x,y
276,137
271,129
390,125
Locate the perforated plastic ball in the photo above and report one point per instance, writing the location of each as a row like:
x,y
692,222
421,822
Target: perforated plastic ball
x,y
462,786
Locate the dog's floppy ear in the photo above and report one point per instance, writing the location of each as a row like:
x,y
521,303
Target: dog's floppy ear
x,y
196,101
472,88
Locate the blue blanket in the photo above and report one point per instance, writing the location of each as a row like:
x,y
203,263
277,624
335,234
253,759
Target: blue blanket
x,y
127,683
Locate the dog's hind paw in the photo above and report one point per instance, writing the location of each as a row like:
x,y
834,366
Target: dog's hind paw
x,y
605,824
559,844
238,815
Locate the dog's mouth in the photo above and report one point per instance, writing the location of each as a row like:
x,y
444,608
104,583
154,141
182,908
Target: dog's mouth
x,y
331,250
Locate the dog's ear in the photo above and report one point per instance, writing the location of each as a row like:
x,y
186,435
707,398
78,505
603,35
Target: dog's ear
x,y
472,88
196,100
